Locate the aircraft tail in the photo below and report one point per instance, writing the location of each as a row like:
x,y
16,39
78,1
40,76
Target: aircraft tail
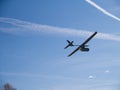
x,y
70,43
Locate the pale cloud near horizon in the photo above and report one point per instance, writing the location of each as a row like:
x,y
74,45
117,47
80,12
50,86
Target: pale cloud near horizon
x,y
33,75
97,84
19,26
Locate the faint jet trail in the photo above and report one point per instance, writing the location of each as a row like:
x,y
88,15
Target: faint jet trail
x,y
19,26
102,10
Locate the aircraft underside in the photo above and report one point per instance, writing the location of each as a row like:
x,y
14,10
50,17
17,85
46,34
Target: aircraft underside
x,y
84,49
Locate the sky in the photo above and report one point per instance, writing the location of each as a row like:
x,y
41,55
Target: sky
x,y
33,35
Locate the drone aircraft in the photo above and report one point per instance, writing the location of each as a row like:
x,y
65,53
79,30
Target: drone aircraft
x,y
81,47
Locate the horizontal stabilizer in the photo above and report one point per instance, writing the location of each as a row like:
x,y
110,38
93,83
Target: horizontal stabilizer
x,y
70,43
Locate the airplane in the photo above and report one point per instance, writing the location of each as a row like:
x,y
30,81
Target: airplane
x,y
81,47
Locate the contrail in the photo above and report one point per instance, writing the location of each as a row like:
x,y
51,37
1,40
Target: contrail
x,y
19,26
102,10
23,26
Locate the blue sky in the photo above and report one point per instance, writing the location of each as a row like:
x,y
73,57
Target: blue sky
x,y
33,35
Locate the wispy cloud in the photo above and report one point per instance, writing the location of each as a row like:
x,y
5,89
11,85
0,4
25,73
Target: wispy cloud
x,y
19,26
102,10
97,84
32,75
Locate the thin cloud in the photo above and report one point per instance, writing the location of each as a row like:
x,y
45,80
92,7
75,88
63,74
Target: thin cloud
x,y
91,77
107,71
19,26
102,10
98,84
31,75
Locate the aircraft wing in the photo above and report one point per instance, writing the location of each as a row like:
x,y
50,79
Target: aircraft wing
x,y
83,44
74,51
89,38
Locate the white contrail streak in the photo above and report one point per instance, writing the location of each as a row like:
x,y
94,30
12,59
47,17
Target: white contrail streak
x,y
23,26
19,26
102,10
